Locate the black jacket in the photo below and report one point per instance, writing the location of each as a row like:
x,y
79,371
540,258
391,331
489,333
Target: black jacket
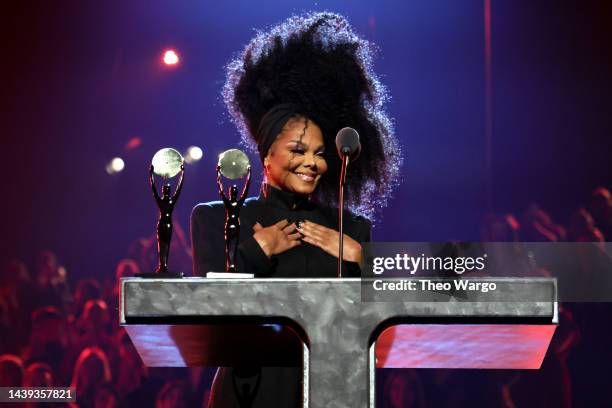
x,y
207,223
278,386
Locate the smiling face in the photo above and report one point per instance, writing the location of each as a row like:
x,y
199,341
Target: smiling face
x,y
295,160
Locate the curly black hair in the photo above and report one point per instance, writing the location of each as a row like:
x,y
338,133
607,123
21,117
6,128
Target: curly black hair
x,y
317,62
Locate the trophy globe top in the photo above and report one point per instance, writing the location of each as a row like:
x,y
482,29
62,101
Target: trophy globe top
x,y
233,164
167,162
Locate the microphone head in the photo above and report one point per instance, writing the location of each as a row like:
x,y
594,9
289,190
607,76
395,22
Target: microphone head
x,y
347,143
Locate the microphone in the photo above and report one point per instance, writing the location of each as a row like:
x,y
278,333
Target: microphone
x,y
347,143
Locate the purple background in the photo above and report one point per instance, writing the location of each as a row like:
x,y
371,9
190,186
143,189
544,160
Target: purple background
x,y
82,78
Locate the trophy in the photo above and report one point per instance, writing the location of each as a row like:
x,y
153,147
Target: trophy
x,y
233,164
166,163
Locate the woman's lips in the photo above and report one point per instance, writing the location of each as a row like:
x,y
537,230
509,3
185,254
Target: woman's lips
x,y
308,178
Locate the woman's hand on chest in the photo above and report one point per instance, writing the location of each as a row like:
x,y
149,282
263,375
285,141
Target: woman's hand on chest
x,y
277,238
328,240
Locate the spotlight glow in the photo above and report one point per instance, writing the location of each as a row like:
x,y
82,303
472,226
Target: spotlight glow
x,y
133,143
194,153
171,57
115,166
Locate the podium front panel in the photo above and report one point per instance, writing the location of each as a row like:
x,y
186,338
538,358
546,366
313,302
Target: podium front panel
x,y
200,321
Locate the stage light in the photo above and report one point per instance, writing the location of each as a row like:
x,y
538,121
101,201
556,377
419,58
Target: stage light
x,y
171,57
133,143
194,153
115,166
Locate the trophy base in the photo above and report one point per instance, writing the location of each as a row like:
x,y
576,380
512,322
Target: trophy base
x,y
160,275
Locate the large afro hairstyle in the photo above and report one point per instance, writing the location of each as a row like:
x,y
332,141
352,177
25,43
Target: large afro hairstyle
x,y
318,63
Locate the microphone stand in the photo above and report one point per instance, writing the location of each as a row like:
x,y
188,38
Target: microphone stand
x,y
345,162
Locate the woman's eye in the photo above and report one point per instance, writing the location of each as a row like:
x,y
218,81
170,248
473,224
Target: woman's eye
x,y
321,154
297,151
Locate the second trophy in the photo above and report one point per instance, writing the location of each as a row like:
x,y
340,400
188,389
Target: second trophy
x,y
233,164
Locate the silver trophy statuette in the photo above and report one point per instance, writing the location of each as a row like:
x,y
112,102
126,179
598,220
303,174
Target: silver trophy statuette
x,y
233,164
166,163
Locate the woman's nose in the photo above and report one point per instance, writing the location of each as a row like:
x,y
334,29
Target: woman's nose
x,y
309,160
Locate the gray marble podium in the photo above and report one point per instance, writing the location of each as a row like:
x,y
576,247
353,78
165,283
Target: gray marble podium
x,y
205,322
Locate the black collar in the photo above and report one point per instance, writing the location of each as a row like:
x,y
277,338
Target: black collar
x,y
282,198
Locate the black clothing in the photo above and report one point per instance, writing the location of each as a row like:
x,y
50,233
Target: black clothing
x,y
276,386
303,261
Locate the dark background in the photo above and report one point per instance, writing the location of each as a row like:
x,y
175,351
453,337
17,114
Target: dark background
x,y
80,79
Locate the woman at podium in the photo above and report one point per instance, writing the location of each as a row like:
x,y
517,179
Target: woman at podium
x,y
289,93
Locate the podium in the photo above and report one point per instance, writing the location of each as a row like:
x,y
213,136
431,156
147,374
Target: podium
x,y
347,328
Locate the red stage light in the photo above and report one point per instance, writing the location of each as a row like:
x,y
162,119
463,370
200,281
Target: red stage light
x,y
133,143
171,57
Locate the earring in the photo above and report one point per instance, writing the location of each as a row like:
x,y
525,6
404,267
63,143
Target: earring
x,y
264,188
264,182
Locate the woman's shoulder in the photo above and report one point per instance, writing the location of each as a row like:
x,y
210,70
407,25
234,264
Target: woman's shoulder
x,y
358,220
347,215
203,211
357,226
214,208
218,204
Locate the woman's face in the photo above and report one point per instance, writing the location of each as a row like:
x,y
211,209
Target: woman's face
x,y
295,160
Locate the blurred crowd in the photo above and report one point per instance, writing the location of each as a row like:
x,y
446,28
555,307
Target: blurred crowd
x,y
55,332
589,223
575,371
56,336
